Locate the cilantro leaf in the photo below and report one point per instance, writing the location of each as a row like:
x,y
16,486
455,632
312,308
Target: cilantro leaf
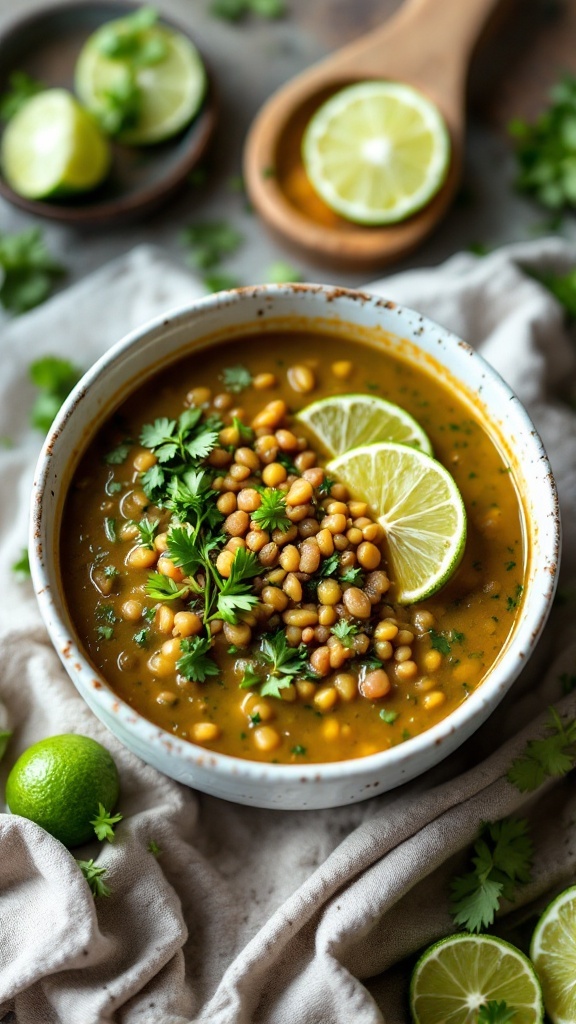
x,y
118,455
271,515
502,859
103,823
235,595
207,243
285,663
27,270
22,566
355,576
345,632
141,637
550,757
163,588
147,529
546,149
183,549
196,663
55,378
95,877
389,716
236,378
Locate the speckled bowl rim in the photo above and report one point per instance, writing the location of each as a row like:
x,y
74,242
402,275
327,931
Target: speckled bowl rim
x,y
465,719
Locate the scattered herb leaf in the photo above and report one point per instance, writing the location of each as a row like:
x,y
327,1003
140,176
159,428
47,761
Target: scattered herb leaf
x,y
27,270
103,824
550,757
22,566
95,877
502,859
21,88
271,515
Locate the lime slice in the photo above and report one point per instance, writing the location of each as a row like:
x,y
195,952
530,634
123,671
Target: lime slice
x,y
457,975
553,952
420,507
376,152
342,422
52,146
170,91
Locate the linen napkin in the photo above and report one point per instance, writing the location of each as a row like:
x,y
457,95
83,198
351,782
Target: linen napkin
x,y
251,916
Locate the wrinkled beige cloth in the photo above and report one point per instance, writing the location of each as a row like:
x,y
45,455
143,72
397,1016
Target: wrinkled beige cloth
x,y
253,916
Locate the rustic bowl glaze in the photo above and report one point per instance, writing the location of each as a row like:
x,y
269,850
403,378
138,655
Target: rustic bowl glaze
x,y
317,308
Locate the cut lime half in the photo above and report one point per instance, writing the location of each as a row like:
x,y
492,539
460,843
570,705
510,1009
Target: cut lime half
x,y
52,147
417,502
171,90
553,953
458,975
342,422
376,152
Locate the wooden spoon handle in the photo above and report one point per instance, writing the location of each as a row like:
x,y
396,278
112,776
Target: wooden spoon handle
x,y
427,42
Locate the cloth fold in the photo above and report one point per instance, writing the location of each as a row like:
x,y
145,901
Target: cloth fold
x,y
250,916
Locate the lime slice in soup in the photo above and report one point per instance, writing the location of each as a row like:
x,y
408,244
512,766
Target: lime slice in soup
x,y
341,422
417,502
167,88
376,152
553,952
458,975
52,146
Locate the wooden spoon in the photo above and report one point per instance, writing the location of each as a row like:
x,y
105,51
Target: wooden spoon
x,y
427,44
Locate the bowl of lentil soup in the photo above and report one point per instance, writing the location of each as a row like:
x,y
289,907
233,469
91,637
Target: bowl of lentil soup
x,y
230,610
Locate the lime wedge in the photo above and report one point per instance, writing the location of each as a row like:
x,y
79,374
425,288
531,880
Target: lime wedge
x,y
170,91
553,952
376,152
342,422
420,507
457,975
52,146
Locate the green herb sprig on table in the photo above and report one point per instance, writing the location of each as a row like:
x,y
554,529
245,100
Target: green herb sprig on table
x,y
55,378
27,270
502,860
206,244
233,10
103,824
553,756
546,149
95,877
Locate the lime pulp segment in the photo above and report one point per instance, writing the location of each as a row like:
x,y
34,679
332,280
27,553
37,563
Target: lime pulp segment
x,y
418,504
348,421
376,152
553,952
457,975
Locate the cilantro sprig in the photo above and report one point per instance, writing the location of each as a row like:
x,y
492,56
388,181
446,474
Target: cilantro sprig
x,y
94,875
502,859
208,243
103,824
345,632
195,662
27,270
283,663
55,378
553,756
272,514
546,149
179,445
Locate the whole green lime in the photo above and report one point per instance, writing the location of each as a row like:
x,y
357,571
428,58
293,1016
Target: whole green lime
x,y
59,783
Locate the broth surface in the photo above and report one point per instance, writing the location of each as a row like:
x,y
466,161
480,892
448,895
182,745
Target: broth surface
x,y
456,635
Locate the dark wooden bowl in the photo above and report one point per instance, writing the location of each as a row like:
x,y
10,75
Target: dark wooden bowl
x,y
46,45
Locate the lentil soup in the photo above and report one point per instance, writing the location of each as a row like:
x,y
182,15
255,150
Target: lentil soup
x,y
234,594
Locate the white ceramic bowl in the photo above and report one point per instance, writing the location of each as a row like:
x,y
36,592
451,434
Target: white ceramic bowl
x,y
269,308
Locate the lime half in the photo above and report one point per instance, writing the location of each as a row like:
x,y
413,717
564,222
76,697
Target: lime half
x,y
420,507
456,976
170,91
52,146
376,152
348,421
553,952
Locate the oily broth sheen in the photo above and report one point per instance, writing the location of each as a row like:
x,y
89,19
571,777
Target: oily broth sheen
x,y
474,612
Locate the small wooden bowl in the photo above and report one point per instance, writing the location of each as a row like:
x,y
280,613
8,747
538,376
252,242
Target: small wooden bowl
x,y
46,45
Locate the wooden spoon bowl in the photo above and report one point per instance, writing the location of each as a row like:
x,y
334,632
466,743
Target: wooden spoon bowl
x,y
426,44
